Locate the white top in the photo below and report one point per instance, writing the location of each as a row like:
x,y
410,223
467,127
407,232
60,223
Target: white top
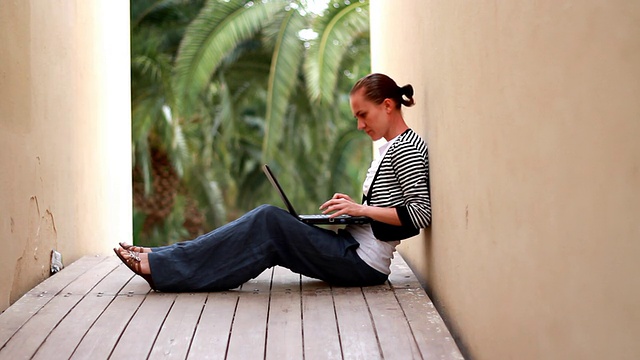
x,y
374,252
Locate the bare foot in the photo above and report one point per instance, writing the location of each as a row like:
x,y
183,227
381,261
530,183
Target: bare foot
x,y
138,249
136,262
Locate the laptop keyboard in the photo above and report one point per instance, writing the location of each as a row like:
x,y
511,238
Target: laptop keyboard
x,y
323,216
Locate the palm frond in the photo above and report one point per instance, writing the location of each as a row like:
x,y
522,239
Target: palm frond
x,y
214,33
283,74
337,28
350,158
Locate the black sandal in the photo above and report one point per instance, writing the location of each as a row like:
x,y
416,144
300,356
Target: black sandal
x,y
133,263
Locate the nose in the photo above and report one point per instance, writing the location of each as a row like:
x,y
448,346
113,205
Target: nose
x,y
360,124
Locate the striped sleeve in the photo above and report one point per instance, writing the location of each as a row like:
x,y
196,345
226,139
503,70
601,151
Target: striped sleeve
x,y
403,182
412,170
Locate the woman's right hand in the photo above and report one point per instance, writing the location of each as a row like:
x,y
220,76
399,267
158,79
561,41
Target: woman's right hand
x,y
341,204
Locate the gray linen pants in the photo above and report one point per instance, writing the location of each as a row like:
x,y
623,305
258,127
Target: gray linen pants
x,y
266,236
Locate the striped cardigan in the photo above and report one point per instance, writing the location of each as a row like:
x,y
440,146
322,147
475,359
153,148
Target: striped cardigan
x,y
402,182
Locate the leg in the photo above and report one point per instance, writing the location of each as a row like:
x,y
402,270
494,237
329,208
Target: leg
x,y
267,236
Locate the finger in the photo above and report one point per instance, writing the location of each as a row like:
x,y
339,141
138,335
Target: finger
x,y
327,204
327,207
336,213
331,209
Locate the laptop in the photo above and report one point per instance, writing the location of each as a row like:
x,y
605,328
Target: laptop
x,y
320,219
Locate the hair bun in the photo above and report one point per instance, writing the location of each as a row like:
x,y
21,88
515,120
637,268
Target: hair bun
x,y
406,95
407,91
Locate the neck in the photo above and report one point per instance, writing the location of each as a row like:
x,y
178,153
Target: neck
x,y
397,127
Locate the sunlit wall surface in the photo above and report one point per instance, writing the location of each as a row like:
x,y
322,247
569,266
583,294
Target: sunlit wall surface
x,y
532,114
65,163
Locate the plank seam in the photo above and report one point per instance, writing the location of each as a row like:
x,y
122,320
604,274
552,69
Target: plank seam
x,y
130,319
233,320
266,325
153,344
335,314
373,324
195,328
96,319
68,312
404,314
43,305
301,314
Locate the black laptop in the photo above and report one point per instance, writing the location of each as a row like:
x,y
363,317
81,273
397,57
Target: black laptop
x,y
319,219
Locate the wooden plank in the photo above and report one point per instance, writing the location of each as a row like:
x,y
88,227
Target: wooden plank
x,y
284,337
177,331
104,333
85,282
138,338
285,280
248,333
22,310
98,306
212,334
29,338
259,284
429,330
33,333
69,332
357,334
320,331
431,333
401,276
135,286
394,334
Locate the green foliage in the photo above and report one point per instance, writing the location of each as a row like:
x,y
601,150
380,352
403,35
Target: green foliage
x,y
337,30
223,86
214,33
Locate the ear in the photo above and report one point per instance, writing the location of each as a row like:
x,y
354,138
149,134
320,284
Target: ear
x,y
388,105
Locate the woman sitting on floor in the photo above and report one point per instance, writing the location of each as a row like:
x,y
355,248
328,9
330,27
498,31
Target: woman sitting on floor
x,y
397,200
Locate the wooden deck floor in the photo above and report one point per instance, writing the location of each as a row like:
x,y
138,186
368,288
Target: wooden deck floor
x,y
96,309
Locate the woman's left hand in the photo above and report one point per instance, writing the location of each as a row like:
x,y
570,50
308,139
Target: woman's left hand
x,y
342,204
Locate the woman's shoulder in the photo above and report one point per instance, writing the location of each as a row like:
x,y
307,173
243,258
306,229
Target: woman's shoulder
x,y
410,139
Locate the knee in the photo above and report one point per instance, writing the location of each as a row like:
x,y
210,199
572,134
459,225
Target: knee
x,y
268,210
272,215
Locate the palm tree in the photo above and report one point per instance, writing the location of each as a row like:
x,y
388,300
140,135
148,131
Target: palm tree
x,y
158,142
243,88
204,47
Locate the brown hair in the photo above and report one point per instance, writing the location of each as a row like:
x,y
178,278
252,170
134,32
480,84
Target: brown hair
x,y
378,87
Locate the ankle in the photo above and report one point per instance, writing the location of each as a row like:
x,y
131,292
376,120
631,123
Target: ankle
x,y
144,263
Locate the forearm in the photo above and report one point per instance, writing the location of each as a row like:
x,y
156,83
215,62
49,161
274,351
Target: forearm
x,y
341,204
383,214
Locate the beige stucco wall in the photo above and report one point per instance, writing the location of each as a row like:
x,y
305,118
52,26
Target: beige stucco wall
x,y
65,165
532,114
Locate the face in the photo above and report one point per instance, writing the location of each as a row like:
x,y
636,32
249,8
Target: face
x,y
371,117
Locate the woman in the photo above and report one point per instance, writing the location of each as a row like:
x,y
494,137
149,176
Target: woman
x,y
396,197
